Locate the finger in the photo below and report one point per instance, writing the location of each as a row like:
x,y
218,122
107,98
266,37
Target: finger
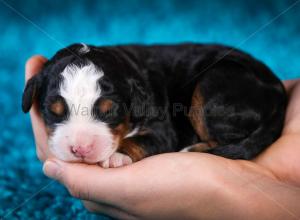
x,y
289,84
292,119
106,210
33,66
89,182
40,133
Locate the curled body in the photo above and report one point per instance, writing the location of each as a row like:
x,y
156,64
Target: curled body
x,y
115,105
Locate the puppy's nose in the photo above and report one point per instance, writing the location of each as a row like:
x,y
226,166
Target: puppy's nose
x,y
81,151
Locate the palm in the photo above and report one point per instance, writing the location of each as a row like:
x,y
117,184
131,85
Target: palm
x,y
181,180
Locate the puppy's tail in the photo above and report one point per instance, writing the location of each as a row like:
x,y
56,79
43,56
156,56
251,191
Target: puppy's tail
x,y
259,139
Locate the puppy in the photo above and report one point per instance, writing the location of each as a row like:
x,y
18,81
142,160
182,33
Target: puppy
x,y
115,105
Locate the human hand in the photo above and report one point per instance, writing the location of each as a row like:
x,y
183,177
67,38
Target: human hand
x,y
186,185
33,66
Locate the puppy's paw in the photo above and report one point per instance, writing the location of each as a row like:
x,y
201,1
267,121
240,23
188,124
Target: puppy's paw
x,y
116,160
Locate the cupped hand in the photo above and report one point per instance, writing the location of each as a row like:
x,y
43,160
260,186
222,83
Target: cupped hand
x,y
187,185
33,66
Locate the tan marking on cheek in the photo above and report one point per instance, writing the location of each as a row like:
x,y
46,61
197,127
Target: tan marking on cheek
x,y
132,149
120,131
57,107
197,118
127,145
105,105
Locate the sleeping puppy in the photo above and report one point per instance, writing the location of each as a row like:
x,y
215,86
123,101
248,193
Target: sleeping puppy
x,y
115,105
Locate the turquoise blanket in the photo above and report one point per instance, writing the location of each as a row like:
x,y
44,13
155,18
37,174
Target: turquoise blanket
x,y
268,29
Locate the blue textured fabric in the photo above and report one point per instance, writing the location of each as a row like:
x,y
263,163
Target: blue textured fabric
x,y
43,27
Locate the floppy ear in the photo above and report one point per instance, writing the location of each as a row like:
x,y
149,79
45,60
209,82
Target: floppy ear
x,y
31,92
140,99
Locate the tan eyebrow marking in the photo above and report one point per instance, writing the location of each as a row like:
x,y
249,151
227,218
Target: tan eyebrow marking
x,y
105,105
58,107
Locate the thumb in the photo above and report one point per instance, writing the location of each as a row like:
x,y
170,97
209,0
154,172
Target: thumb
x,y
34,65
88,182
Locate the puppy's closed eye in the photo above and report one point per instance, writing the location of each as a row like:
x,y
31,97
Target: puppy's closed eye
x,y
106,87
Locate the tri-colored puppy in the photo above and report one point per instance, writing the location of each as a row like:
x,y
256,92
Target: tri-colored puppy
x,y
116,105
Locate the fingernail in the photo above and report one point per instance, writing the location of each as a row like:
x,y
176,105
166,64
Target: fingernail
x,y
51,169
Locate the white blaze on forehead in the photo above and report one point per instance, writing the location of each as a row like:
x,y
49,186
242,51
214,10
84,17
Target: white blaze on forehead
x,y
80,88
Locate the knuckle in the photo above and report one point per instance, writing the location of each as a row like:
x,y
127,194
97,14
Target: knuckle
x,y
73,190
77,191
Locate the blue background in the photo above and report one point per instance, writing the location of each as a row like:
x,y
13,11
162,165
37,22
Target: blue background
x,y
43,27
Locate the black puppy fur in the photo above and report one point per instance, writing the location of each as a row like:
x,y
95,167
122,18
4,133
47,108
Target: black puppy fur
x,y
243,102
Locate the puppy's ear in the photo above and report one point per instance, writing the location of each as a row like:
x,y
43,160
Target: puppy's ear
x,y
140,99
31,92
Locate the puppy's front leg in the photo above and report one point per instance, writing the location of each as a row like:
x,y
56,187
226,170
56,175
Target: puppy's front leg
x,y
129,151
116,160
158,138
130,146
